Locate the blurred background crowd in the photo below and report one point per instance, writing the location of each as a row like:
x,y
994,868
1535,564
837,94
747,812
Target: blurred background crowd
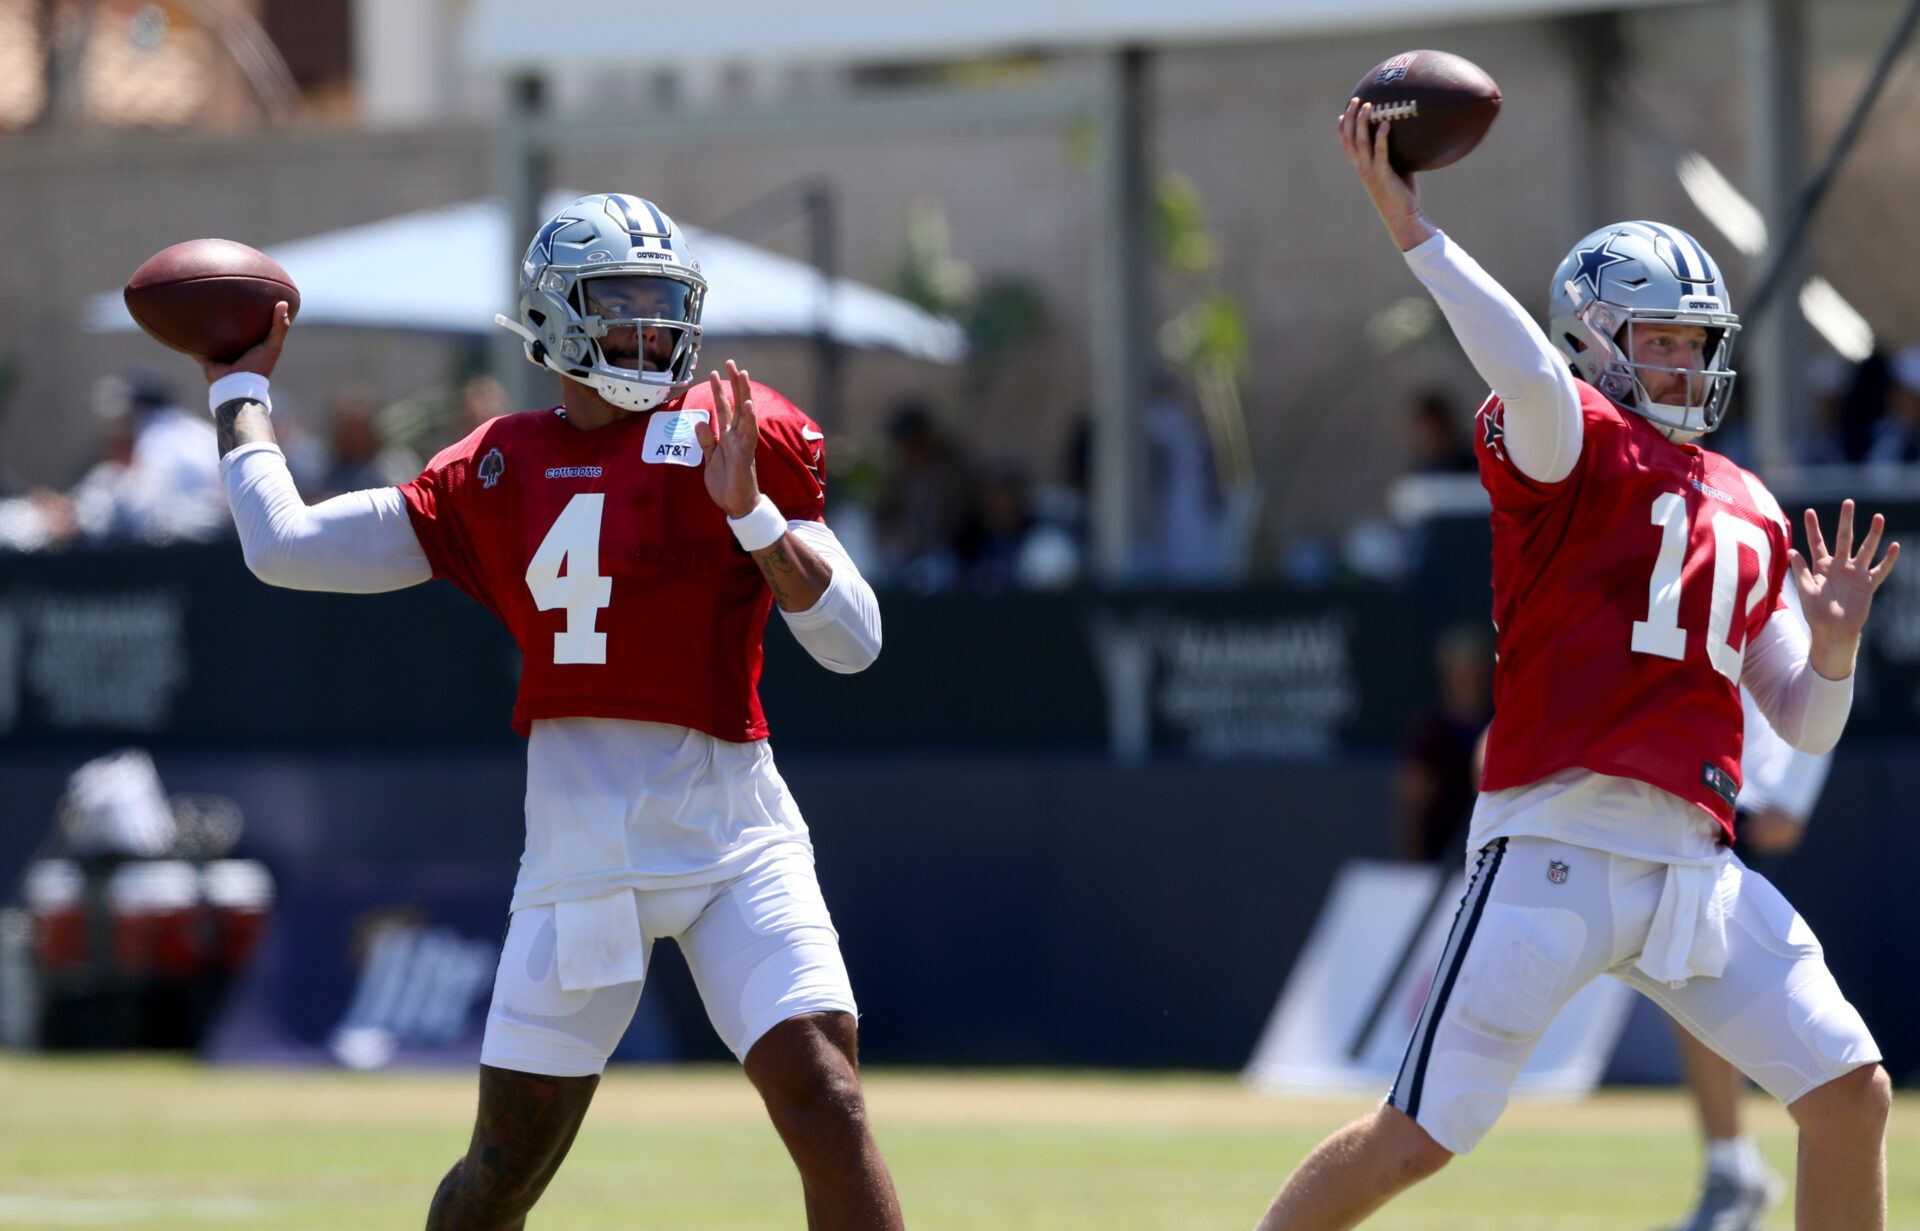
x,y
921,501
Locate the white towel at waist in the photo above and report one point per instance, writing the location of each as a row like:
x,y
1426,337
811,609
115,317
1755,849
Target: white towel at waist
x,y
598,941
1688,936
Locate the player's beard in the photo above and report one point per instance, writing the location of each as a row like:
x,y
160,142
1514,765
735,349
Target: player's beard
x,y
621,348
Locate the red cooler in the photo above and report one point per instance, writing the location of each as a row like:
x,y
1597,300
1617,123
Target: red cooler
x,y
55,892
159,928
239,898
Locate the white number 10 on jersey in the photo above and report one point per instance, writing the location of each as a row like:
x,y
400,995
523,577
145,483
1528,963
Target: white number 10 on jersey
x,y
574,543
1660,633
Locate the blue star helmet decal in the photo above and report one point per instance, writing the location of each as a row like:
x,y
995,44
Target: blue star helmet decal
x,y
1594,262
543,239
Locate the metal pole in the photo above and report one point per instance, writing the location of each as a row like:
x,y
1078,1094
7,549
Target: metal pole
x,y
826,349
1772,356
520,177
1122,344
1593,45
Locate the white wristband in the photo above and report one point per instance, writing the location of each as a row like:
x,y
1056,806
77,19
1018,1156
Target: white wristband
x,y
762,527
248,385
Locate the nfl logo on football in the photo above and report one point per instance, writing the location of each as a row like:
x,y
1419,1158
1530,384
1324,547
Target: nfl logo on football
x,y
1395,69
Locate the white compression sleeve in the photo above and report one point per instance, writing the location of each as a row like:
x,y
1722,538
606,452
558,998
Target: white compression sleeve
x,y
1774,775
1531,378
359,543
842,630
1807,710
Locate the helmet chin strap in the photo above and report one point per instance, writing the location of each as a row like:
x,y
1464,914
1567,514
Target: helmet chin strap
x,y
1667,412
1664,413
515,327
624,395
1679,436
628,395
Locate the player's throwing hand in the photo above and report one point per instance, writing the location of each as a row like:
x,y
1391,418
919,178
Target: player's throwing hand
x,y
259,358
1394,194
730,442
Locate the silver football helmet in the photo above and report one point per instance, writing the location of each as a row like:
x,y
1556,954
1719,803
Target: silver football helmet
x,y
610,297
1630,275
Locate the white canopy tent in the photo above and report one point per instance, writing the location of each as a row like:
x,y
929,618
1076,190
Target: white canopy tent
x,y
419,271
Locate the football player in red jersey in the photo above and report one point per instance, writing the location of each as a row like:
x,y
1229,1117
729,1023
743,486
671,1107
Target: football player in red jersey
x,y
633,538
1637,582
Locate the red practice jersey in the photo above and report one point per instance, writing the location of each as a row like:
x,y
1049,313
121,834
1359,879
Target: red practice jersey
x,y
1624,597
614,569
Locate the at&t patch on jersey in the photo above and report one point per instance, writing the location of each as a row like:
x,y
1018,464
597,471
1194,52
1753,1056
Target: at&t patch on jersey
x,y
670,439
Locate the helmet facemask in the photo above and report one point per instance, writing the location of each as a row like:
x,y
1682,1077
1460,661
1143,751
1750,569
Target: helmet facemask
x,y
1629,278
637,334
1706,390
610,298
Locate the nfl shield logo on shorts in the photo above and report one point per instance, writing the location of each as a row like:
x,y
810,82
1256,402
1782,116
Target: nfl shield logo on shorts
x,y
1556,872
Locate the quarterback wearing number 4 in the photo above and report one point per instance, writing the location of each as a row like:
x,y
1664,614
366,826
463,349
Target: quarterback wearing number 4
x,y
633,539
1637,584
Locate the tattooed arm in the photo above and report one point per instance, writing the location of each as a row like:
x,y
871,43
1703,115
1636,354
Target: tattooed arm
x,y
242,422
840,628
821,595
244,417
794,571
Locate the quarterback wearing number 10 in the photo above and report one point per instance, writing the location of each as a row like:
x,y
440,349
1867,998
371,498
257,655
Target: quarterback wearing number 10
x,y
1637,583
633,538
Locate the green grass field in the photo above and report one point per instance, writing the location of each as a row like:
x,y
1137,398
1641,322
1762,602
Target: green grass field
x,y
168,1144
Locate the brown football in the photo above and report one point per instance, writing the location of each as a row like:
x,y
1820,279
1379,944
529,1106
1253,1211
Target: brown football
x,y
1439,104
212,298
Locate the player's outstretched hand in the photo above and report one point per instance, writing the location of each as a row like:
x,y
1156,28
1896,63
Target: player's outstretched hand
x,y
1394,194
263,355
1837,587
1771,831
729,443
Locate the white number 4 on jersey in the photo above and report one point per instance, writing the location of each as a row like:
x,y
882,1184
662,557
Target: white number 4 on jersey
x,y
573,544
